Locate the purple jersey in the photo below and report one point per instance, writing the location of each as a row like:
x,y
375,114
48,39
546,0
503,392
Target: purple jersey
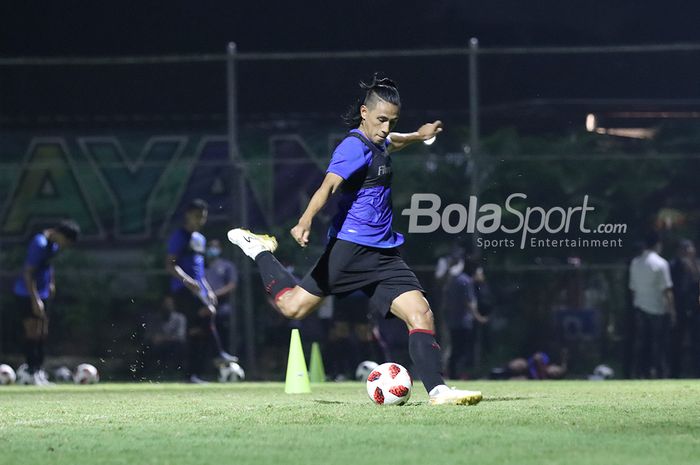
x,y
39,255
364,209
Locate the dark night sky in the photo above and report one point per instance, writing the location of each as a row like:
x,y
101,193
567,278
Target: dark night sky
x,y
117,28
109,28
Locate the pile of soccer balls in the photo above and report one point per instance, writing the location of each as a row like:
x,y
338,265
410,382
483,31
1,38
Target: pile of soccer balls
x,y
83,374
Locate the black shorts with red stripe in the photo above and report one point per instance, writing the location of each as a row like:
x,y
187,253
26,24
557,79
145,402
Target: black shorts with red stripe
x,y
345,267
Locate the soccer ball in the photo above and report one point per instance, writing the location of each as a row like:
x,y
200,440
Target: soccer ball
x,y
231,373
62,375
23,375
7,374
86,374
389,384
604,372
364,369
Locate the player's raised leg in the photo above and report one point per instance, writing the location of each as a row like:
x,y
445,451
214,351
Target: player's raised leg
x,y
425,352
291,300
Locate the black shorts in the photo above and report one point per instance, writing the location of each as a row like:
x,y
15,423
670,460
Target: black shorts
x,y
188,304
23,307
345,267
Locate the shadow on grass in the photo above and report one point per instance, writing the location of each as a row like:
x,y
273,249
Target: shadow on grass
x,y
504,398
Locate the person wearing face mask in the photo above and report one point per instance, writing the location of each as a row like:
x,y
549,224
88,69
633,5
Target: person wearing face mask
x,y
222,275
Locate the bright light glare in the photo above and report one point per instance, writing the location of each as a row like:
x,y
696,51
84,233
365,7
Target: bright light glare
x,y
590,122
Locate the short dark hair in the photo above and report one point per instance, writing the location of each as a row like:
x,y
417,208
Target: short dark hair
x,y
69,228
379,89
684,244
198,205
471,264
651,238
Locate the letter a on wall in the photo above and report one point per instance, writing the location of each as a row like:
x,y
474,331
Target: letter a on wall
x,y
47,189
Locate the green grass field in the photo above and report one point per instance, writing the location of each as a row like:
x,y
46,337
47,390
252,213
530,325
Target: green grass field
x,y
567,422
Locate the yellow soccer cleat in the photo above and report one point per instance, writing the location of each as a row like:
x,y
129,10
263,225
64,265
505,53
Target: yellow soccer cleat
x,y
445,395
250,243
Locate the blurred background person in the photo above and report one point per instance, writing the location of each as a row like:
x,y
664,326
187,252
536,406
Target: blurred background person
x,y
460,311
222,276
485,303
652,297
35,287
538,366
165,339
685,274
191,291
452,262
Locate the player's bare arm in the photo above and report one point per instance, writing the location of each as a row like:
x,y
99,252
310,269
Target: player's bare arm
x,y
225,290
174,270
329,186
670,305
52,287
425,132
211,295
474,309
35,299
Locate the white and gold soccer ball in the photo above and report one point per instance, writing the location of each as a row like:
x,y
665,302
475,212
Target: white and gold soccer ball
x,y
231,372
24,376
86,374
62,375
364,369
7,374
389,384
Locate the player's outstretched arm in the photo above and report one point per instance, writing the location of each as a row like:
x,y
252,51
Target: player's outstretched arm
x,y
329,186
425,132
174,270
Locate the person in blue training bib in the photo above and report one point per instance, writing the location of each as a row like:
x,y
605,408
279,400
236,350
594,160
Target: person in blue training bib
x,y
362,251
35,287
191,291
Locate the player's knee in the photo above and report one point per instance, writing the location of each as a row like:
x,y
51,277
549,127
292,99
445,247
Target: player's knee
x,y
293,305
292,310
289,311
422,318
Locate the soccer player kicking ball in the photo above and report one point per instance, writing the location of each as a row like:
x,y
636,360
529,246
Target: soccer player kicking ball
x,y
362,252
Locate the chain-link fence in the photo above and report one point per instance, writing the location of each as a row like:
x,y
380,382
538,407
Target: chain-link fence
x,y
122,144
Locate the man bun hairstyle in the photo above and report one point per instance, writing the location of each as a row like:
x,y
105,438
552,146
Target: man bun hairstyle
x,y
69,228
381,88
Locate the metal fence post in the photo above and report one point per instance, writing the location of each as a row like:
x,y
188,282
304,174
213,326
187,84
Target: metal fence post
x,y
473,95
474,124
474,153
237,162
